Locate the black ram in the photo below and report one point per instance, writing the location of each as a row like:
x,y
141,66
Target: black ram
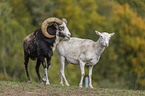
x,y
41,44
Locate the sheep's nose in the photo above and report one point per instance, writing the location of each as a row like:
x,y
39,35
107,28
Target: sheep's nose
x,y
68,36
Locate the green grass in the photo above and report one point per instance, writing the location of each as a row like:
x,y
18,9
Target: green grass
x,y
35,89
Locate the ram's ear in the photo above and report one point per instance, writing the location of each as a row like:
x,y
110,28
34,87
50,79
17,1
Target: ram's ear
x,y
98,33
64,20
111,34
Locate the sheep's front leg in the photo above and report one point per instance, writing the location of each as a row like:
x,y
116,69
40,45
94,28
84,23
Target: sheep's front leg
x,y
82,65
46,73
62,60
90,76
48,67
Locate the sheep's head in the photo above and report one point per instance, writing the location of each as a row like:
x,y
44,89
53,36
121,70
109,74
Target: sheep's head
x,y
63,30
104,38
60,25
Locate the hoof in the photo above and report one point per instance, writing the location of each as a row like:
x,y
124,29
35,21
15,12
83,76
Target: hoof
x,y
67,84
41,82
80,86
62,84
44,79
91,86
29,81
47,83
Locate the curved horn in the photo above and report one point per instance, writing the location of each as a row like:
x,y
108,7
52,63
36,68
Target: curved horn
x,y
47,22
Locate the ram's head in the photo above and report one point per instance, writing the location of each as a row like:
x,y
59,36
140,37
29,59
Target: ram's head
x,y
60,25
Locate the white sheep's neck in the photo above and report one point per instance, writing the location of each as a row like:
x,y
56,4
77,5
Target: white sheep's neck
x,y
99,48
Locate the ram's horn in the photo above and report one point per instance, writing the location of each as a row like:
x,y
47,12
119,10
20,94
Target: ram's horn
x,y
47,22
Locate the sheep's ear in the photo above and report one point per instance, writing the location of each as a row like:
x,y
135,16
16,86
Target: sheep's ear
x,y
64,20
111,34
98,33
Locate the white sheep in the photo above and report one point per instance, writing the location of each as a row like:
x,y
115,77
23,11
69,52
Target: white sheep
x,y
83,52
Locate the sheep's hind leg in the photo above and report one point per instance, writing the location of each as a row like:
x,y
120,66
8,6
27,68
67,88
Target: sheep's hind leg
x,y
26,68
90,76
66,64
37,70
62,60
82,65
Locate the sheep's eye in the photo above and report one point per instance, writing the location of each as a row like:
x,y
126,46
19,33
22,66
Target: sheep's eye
x,y
61,28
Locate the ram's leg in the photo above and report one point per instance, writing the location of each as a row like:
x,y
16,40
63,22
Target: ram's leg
x,y
62,60
48,64
48,67
82,65
46,72
37,70
26,67
90,76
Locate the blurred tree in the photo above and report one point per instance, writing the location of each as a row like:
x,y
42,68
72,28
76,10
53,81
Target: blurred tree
x,y
130,32
15,23
138,6
40,10
81,15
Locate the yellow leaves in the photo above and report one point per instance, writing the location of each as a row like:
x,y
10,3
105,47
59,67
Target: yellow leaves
x,y
133,24
118,9
68,9
65,1
131,29
123,9
133,43
87,2
123,12
80,14
138,22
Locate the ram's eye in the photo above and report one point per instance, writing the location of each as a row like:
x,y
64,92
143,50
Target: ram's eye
x,y
61,28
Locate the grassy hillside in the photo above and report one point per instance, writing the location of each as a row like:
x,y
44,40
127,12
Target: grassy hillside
x,y
36,89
